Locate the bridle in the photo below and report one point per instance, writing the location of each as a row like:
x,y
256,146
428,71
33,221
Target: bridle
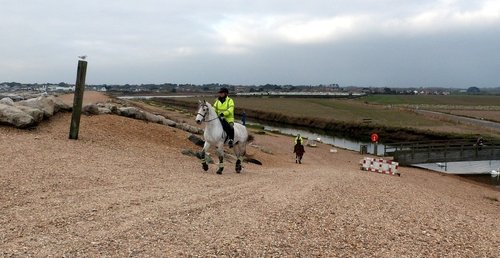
x,y
203,115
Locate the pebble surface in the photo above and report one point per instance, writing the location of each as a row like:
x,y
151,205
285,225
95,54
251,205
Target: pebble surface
x,y
125,189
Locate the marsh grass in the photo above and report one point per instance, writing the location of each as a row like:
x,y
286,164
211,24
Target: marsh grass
x,y
495,199
328,115
348,111
462,100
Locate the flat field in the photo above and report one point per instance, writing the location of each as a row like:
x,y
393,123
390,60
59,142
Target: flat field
x,y
450,100
479,107
491,115
334,109
358,110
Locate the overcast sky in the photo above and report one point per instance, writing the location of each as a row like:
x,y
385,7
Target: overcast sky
x,y
394,43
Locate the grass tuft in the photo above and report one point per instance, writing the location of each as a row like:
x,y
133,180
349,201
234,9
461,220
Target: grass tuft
x,y
495,199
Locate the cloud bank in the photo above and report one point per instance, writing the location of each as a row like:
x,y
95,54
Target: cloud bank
x,y
448,43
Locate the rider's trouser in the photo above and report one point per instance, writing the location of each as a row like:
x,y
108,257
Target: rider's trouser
x,y
228,128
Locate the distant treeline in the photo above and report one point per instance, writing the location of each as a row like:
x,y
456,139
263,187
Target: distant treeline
x,y
333,87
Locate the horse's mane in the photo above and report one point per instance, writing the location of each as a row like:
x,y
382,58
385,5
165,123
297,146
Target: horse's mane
x,y
210,107
207,103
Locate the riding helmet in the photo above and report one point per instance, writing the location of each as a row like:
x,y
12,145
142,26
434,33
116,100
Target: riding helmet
x,y
224,90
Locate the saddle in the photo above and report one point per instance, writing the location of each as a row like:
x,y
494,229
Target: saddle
x,y
225,136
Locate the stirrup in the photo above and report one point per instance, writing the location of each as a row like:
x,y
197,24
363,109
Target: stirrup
x,y
230,143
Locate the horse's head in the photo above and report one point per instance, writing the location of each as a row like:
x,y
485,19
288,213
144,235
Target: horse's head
x,y
202,112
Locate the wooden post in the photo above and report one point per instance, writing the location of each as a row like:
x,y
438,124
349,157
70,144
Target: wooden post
x,y
78,99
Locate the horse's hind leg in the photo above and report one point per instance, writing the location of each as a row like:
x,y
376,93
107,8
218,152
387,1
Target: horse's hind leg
x,y
238,165
204,156
220,152
240,154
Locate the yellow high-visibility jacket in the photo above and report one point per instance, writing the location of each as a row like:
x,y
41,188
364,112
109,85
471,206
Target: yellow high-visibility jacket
x,y
226,108
298,138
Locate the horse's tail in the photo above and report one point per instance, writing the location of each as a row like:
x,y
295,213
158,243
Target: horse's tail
x,y
254,161
250,138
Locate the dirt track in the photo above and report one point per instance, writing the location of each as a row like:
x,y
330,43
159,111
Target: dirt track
x,y
495,126
124,189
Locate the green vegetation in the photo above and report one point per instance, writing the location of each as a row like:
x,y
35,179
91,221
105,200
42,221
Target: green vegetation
x,y
346,118
495,199
350,111
255,126
465,100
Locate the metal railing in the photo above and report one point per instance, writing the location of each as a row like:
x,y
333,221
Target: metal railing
x,y
443,151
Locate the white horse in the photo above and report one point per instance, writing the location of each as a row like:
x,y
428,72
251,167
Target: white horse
x,y
215,135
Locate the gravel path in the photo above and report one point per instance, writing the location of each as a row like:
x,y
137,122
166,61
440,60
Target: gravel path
x,y
124,189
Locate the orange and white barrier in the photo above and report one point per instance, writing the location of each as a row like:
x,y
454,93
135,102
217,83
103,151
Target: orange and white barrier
x,y
380,166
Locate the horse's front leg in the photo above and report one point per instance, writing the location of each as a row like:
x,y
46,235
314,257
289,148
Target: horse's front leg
x,y
220,153
204,156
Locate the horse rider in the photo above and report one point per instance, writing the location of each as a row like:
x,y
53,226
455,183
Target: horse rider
x,y
224,107
479,143
298,149
297,139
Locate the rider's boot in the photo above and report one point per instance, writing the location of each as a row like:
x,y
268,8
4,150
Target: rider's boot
x,y
231,135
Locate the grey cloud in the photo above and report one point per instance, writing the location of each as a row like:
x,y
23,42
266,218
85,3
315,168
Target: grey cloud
x,y
155,41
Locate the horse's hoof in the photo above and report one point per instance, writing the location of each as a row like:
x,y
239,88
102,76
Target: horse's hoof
x,y
238,169
205,166
219,171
